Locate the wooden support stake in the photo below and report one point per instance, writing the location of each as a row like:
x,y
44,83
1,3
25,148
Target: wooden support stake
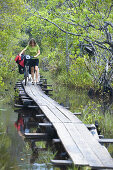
x,y
45,124
25,97
27,100
50,85
105,141
17,86
19,105
56,140
39,136
47,89
62,162
33,107
67,107
41,115
77,113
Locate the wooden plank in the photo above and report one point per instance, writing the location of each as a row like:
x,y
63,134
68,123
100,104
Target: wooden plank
x,y
85,149
49,114
58,114
55,111
69,115
32,96
69,145
99,150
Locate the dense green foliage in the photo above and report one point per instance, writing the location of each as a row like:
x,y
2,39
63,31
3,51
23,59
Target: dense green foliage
x,y
11,19
75,38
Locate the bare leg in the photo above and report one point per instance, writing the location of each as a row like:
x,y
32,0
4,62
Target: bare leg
x,y
32,73
36,69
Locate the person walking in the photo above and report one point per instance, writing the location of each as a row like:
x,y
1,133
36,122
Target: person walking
x,y
32,49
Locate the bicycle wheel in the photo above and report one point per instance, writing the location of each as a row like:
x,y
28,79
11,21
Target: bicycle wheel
x,y
25,75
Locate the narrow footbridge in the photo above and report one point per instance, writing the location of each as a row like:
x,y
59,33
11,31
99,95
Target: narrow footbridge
x,y
82,147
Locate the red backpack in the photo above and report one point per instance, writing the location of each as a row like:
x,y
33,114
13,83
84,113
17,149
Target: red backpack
x,y
20,63
19,60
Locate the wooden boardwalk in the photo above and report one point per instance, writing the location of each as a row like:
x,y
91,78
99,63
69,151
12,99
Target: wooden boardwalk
x,y
80,144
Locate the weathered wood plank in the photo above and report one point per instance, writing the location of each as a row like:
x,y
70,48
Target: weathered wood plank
x,y
64,111
49,114
99,150
55,111
69,145
64,114
83,146
28,89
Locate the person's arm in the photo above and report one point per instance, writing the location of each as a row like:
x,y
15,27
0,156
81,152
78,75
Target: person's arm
x,y
37,54
22,51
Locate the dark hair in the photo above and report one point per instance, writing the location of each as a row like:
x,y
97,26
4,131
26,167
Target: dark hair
x,y
32,40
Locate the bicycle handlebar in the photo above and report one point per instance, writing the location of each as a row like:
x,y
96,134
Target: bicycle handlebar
x,y
26,57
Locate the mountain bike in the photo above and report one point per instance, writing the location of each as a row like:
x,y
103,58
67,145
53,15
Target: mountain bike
x,y
26,66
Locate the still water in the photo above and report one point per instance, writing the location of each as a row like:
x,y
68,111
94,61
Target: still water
x,y
17,154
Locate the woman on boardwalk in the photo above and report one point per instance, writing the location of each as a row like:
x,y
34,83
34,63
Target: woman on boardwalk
x,y
33,50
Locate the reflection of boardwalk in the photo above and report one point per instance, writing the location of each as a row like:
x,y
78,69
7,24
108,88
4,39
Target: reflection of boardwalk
x,y
79,143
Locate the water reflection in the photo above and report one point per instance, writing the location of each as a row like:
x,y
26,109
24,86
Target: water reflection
x,y
19,125
40,151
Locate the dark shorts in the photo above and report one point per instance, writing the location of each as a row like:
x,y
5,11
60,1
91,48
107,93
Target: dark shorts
x,y
34,62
